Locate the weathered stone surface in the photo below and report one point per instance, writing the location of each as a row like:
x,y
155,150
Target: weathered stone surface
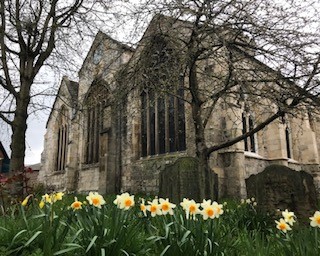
x,y
279,187
181,180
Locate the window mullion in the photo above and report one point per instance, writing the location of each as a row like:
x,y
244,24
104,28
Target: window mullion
x,y
156,128
166,123
176,121
148,125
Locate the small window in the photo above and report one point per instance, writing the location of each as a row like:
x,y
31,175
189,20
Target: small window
x,y
288,142
62,140
248,125
288,139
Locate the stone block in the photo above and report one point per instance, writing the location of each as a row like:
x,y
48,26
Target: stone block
x,y
279,187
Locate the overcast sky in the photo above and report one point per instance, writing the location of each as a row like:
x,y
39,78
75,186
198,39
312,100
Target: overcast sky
x,y
34,138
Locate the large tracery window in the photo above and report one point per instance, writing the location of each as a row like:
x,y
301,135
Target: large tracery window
x,y
62,140
95,105
162,94
162,123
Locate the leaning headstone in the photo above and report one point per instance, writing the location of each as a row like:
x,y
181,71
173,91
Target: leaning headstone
x,y
181,180
279,187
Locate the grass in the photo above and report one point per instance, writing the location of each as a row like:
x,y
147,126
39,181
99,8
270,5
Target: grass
x,y
57,229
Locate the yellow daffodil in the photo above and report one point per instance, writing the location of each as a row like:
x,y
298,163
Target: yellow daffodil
x,y
283,225
288,217
25,201
208,211
205,203
154,207
76,205
117,200
191,208
166,206
218,209
124,201
95,199
315,220
58,196
47,198
143,207
211,211
41,204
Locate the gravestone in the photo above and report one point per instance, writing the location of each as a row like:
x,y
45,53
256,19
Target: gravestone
x,y
181,180
279,187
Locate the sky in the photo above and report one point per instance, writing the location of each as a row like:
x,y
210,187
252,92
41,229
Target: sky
x,y
34,138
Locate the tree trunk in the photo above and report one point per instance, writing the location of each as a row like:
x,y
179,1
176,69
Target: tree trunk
x,y
19,128
205,176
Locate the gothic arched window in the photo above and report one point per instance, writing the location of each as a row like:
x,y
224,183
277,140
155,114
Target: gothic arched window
x,y
95,103
62,140
287,132
162,104
248,125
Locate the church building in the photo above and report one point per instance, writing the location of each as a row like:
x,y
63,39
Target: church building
x,y
121,127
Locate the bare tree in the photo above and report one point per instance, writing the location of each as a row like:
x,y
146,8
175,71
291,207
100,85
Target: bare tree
x,y
239,53
34,35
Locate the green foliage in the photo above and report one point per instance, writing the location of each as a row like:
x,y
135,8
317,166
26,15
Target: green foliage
x,y
57,229
176,235
108,231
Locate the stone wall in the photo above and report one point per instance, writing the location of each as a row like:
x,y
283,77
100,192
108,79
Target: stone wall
x,y
88,180
143,175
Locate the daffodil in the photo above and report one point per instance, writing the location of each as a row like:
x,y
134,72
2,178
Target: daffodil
x,y
154,207
190,207
283,225
58,196
41,204
143,207
76,205
315,220
288,217
47,198
205,203
208,211
25,201
166,206
218,209
95,199
125,201
117,200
